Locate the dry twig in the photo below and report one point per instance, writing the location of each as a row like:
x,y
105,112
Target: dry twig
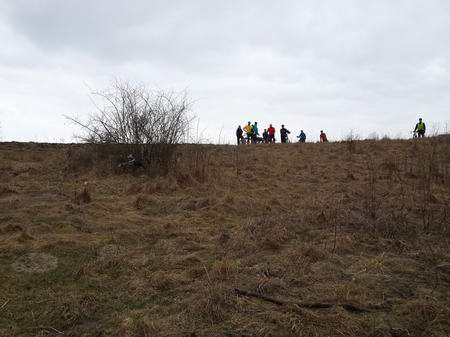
x,y
4,304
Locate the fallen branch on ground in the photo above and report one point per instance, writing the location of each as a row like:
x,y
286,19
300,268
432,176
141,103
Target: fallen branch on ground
x,y
314,305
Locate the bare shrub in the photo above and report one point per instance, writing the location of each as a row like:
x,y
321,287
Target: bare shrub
x,y
132,114
373,136
351,140
149,123
352,136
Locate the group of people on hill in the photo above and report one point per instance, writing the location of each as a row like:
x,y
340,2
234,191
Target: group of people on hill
x,y
250,134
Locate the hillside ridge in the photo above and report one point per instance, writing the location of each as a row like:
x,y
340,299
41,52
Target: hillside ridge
x,y
335,239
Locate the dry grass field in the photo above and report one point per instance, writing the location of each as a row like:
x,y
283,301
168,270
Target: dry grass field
x,y
334,239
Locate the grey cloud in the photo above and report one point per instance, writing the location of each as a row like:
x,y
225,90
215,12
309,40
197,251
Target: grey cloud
x,y
306,60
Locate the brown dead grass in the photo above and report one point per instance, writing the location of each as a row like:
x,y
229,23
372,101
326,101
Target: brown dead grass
x,y
362,222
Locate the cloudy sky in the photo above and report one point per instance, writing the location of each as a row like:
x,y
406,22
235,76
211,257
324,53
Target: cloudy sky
x,y
370,66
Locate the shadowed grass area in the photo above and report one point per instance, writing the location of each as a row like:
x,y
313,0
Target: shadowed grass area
x,y
338,239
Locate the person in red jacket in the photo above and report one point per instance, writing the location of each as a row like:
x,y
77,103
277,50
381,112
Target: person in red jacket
x,y
271,133
323,137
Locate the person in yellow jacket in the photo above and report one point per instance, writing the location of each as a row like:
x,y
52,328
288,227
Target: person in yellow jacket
x,y
420,128
249,131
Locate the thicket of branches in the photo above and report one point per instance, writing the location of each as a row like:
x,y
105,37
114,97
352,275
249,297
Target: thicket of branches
x,y
149,122
132,114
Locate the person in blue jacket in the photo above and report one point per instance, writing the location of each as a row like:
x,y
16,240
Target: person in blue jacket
x,y
301,137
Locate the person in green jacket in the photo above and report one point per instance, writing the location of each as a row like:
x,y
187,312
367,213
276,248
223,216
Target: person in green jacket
x,y
420,128
255,131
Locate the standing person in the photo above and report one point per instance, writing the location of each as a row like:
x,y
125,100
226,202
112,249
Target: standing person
x,y
284,134
420,128
249,131
301,137
323,137
255,131
271,133
265,136
239,133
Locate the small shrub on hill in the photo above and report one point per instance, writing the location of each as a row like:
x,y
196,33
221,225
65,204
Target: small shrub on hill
x,y
143,125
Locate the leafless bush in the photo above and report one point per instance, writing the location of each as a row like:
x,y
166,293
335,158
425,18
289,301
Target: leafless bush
x,y
373,136
150,123
351,139
132,114
352,136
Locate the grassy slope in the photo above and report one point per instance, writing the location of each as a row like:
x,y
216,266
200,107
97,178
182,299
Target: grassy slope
x,y
361,223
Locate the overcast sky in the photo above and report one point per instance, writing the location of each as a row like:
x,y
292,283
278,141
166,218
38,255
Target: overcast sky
x,y
370,66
